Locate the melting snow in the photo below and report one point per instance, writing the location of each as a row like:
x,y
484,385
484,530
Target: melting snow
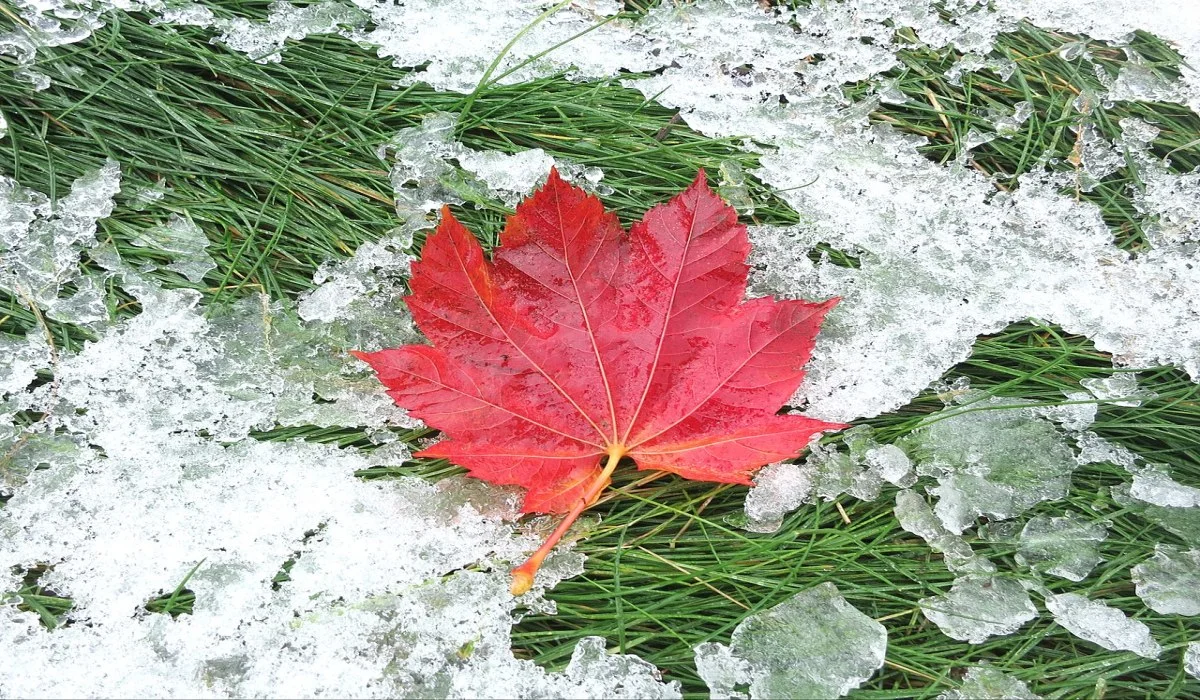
x,y
991,457
987,683
814,645
978,607
1067,546
1100,624
916,517
1169,581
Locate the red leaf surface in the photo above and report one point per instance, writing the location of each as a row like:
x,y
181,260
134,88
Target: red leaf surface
x,y
580,343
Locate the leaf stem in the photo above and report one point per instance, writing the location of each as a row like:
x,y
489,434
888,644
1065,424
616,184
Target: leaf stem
x,y
522,576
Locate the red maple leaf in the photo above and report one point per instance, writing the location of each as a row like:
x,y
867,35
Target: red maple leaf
x,y
580,343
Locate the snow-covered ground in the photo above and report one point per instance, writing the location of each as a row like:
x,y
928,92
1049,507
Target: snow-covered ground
x,y
152,472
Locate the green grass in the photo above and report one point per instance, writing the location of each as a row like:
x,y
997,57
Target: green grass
x,y
276,163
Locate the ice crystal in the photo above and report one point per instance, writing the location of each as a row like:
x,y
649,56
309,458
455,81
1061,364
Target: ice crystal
x,y
916,517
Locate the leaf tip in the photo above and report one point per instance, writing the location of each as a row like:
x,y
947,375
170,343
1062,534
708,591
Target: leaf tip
x,y
522,581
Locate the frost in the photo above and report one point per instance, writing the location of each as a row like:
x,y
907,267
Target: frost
x,y
916,517
991,461
778,489
980,607
1169,581
1100,624
263,41
183,241
459,46
40,241
986,683
814,645
1066,546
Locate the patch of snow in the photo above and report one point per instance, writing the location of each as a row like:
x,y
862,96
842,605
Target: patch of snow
x,y
1169,581
1098,623
987,683
263,41
459,46
978,607
1067,546
814,645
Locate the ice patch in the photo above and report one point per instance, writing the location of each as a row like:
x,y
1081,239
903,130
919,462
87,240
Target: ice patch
x,y
814,645
1153,484
1067,546
987,683
1121,389
916,517
183,241
40,240
1191,659
1100,624
1169,581
778,489
991,457
978,607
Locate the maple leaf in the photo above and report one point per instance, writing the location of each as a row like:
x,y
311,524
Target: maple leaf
x,y
581,343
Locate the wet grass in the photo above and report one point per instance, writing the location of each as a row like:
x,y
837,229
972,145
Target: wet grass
x,y
277,164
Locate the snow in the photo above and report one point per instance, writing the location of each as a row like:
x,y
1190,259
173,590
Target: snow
x,y
813,645
1066,546
978,607
146,467
1169,581
1098,623
985,683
